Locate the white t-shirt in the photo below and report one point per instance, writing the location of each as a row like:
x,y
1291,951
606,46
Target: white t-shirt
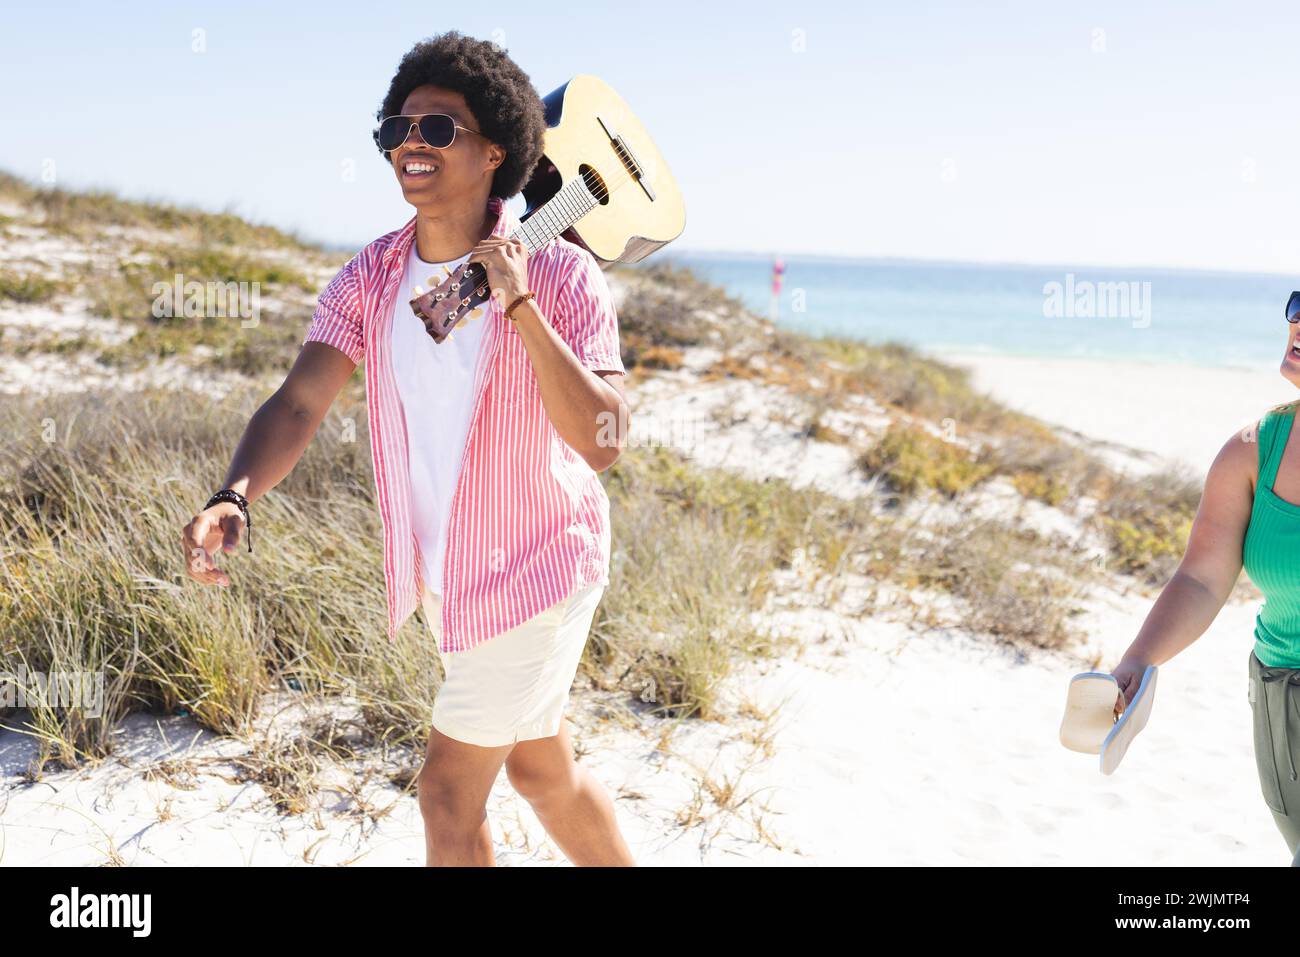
x,y
435,381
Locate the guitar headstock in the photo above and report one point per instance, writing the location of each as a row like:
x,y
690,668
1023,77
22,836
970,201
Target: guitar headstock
x,y
444,305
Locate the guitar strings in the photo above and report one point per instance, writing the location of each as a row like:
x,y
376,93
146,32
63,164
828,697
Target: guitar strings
x,y
602,191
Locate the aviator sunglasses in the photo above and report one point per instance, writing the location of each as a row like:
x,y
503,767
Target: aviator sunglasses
x,y
438,130
1293,308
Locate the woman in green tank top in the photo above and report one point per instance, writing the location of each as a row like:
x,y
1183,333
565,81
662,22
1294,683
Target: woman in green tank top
x,y
1249,516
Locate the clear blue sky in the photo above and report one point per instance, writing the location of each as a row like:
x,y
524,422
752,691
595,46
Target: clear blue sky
x,y
1011,132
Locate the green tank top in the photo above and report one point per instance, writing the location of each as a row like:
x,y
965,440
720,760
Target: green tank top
x,y
1271,551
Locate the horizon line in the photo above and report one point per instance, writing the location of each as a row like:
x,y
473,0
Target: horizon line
x,y
976,263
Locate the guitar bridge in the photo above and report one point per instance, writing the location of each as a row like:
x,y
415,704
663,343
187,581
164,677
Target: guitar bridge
x,y
628,158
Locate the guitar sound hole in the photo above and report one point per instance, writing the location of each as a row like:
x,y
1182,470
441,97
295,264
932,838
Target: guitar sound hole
x,y
594,184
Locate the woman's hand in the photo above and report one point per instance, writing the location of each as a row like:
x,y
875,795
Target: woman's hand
x,y
1129,676
212,528
506,262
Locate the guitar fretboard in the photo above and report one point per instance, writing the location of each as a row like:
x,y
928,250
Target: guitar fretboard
x,y
556,215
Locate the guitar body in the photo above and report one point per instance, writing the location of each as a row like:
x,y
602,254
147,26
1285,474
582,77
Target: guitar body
x,y
641,213
601,184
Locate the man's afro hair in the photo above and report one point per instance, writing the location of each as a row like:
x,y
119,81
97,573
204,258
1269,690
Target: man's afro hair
x,y
497,91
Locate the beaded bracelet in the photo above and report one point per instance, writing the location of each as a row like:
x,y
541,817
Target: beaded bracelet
x,y
230,495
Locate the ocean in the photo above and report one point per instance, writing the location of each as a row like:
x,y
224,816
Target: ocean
x,y
1199,318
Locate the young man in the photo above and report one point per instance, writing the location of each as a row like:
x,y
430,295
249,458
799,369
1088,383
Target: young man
x,y
485,448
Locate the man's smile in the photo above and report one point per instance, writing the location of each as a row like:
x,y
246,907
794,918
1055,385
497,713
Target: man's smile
x,y
418,167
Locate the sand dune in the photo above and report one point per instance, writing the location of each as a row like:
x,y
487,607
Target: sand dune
x,y
1177,412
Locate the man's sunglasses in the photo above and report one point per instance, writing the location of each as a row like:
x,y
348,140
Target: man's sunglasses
x,y
438,130
1293,308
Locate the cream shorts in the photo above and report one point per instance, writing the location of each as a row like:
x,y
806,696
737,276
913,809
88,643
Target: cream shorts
x,y
514,686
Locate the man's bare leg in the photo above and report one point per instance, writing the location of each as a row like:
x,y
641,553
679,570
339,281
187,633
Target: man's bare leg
x,y
453,788
571,804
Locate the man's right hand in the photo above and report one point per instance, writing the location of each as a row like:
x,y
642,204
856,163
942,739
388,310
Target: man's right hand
x,y
212,528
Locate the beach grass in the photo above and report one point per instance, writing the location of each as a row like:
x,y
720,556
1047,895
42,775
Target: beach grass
x,y
1147,522
909,458
96,487
83,213
26,286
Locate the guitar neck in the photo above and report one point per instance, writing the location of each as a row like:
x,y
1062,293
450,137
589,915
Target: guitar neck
x,y
439,308
556,215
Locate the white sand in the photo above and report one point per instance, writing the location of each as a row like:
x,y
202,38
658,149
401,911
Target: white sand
x,y
937,748
1182,413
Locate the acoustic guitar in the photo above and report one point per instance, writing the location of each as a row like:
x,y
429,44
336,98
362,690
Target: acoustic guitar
x,y
601,183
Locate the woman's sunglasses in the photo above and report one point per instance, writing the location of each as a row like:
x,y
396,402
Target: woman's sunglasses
x,y
1293,308
438,130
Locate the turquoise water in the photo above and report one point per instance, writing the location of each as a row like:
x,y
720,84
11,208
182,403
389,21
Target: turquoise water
x,y
1217,319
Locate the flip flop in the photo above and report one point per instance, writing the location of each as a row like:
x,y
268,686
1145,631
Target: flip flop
x,y
1090,725
1089,711
1131,721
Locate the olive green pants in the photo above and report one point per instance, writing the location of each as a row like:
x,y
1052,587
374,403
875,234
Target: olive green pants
x,y
1274,698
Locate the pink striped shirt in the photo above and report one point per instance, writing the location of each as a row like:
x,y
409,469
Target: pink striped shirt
x,y
529,520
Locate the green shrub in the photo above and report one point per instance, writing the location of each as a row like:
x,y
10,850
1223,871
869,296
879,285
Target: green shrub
x,y
27,287
909,458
